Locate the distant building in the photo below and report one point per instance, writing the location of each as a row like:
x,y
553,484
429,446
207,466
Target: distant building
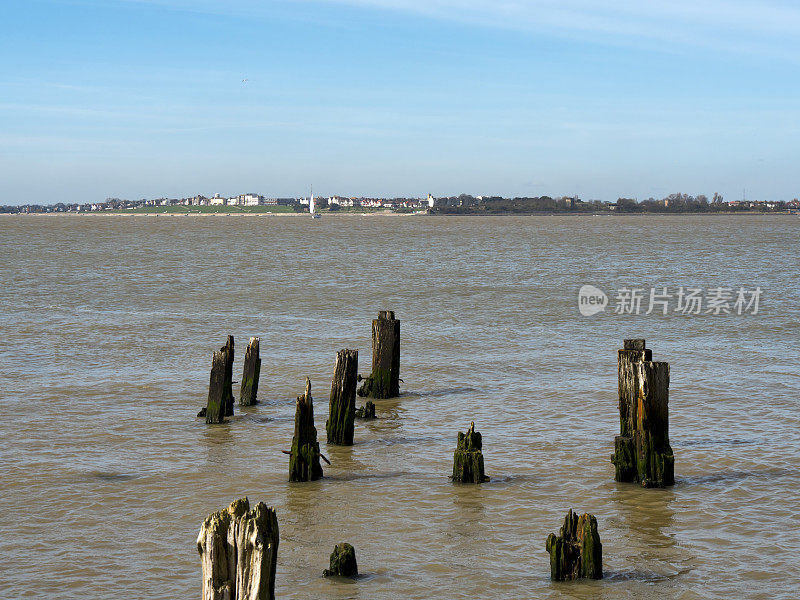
x,y
431,201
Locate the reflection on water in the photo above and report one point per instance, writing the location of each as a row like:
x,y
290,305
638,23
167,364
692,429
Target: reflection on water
x,y
107,325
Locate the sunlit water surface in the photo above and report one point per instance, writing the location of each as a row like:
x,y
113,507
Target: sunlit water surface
x,y
107,326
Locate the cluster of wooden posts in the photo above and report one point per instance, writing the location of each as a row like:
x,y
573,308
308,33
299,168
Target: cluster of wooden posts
x,y
238,546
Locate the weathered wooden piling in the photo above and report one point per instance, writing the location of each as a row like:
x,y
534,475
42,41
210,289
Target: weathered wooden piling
x,y
220,387
343,561
342,410
227,351
367,411
304,457
468,457
384,380
238,549
215,409
642,452
250,375
577,552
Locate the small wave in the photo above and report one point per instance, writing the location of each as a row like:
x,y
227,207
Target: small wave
x,y
646,576
111,476
736,476
366,476
733,442
445,392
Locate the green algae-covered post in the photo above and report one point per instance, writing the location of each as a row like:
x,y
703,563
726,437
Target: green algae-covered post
x,y
215,410
227,391
250,375
304,456
367,411
343,561
238,549
642,452
384,381
577,552
468,457
342,407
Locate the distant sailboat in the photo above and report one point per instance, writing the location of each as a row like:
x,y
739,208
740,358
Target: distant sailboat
x,y
312,208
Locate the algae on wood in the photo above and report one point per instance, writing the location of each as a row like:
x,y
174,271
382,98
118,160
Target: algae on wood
x,y
642,452
343,562
468,457
304,457
384,380
577,552
238,549
342,408
251,373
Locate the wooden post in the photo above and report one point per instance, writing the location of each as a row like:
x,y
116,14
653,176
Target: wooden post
x,y
343,562
342,409
384,381
304,456
250,375
215,410
576,552
642,452
238,549
468,457
227,391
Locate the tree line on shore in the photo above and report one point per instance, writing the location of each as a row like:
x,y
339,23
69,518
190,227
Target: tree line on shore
x,y
674,203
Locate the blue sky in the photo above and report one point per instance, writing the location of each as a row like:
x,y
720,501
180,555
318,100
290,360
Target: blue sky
x,y
140,99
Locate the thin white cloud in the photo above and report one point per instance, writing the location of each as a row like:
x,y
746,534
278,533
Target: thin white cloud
x,y
768,27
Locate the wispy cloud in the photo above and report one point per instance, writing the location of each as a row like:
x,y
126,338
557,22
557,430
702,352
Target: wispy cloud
x,y
768,27
728,25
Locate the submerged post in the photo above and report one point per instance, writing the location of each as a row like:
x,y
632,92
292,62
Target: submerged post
x,y
367,411
250,375
384,381
238,549
468,457
642,452
343,561
342,409
577,552
304,456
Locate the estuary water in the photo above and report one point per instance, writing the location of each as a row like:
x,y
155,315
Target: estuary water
x,y
108,324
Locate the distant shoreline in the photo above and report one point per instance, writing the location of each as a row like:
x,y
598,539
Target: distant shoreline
x,y
389,213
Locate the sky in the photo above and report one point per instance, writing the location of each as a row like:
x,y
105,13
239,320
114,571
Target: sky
x,y
172,98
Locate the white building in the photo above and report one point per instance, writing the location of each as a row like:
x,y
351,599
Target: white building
x,y
249,200
431,201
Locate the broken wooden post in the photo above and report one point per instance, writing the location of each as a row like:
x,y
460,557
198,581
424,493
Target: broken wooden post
x,y
238,549
250,375
304,456
468,457
367,411
215,409
577,552
384,381
342,409
227,391
642,452
343,562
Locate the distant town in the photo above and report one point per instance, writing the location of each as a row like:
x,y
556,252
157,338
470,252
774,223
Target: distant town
x,y
462,204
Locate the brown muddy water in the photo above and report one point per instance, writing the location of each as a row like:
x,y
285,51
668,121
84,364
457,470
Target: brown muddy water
x,y
107,326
